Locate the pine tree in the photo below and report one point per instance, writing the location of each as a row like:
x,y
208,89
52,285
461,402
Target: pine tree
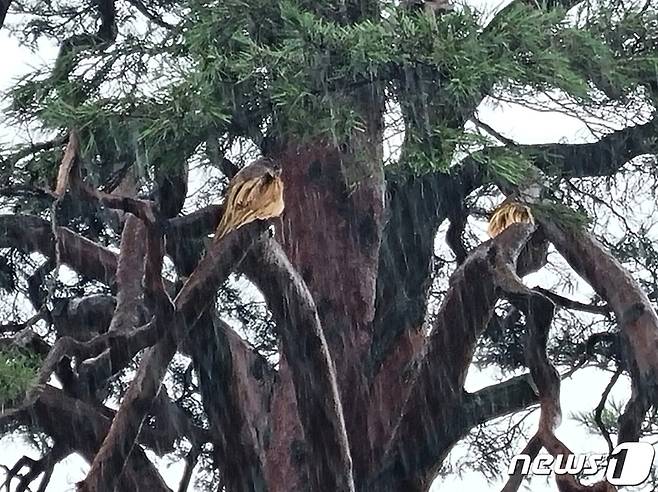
x,y
333,354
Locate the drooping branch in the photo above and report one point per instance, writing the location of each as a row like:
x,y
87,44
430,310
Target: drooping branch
x,y
44,465
539,311
33,234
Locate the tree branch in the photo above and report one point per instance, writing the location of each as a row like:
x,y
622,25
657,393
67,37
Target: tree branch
x,y
150,15
418,206
102,39
571,304
44,465
190,463
416,209
500,399
33,234
313,372
237,403
432,416
197,293
4,7
539,311
128,311
635,315
57,414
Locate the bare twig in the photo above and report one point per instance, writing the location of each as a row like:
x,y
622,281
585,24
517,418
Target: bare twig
x,y
575,305
598,411
150,15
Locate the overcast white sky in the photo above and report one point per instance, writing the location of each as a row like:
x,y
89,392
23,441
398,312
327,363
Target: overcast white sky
x,y
521,124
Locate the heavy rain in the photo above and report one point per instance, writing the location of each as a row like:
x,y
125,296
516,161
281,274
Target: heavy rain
x,y
355,245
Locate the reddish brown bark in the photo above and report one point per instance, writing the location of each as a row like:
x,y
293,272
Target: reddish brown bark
x,y
237,403
434,394
130,271
191,302
403,395
312,371
338,260
635,315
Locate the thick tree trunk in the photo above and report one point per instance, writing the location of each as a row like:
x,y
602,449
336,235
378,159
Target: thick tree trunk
x,y
331,232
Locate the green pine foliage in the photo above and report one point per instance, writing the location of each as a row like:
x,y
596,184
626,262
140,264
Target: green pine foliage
x,y
18,370
245,68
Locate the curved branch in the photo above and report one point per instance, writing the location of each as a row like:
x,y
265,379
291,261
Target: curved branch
x,y
198,292
44,465
313,372
33,234
637,319
539,311
598,411
418,206
423,436
150,15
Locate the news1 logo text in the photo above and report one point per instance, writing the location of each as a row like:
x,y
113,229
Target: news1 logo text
x,y
628,464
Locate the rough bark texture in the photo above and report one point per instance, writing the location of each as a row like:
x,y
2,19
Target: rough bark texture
x,y
188,307
635,315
